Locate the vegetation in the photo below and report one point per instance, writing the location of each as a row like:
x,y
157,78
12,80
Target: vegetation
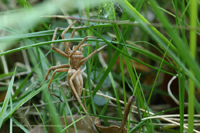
x,y
149,43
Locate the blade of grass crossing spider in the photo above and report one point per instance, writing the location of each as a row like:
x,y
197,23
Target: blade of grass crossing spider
x,y
79,39
40,118
70,112
88,66
88,70
4,111
20,125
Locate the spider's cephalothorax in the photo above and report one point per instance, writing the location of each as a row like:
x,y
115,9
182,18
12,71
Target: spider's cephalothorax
x,y
76,60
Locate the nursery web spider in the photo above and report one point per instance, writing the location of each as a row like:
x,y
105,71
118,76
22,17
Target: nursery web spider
x,y
76,60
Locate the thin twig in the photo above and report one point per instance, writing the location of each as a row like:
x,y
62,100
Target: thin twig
x,y
123,22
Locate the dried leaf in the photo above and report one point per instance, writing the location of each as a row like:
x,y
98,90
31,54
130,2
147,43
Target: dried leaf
x,y
117,129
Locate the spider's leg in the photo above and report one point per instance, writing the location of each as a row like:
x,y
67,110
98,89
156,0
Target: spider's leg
x,y
80,48
54,73
75,93
93,53
56,49
55,67
74,50
68,45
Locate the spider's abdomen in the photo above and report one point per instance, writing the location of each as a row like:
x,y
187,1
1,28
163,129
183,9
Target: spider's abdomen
x,y
77,82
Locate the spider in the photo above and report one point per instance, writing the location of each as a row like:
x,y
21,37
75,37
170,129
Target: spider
x,y
76,60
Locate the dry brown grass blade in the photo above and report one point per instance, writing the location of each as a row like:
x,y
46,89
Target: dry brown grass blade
x,y
117,129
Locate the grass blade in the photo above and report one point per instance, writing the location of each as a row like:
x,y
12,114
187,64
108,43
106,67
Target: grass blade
x,y
4,111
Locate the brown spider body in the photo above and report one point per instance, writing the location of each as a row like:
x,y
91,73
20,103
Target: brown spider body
x,y
77,82
76,60
74,63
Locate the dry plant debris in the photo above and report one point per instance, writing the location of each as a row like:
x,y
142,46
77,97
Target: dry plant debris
x,y
83,125
117,129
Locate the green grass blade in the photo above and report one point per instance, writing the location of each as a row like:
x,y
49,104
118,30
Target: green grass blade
x,y
163,41
53,115
70,112
73,123
4,111
193,45
41,118
20,125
